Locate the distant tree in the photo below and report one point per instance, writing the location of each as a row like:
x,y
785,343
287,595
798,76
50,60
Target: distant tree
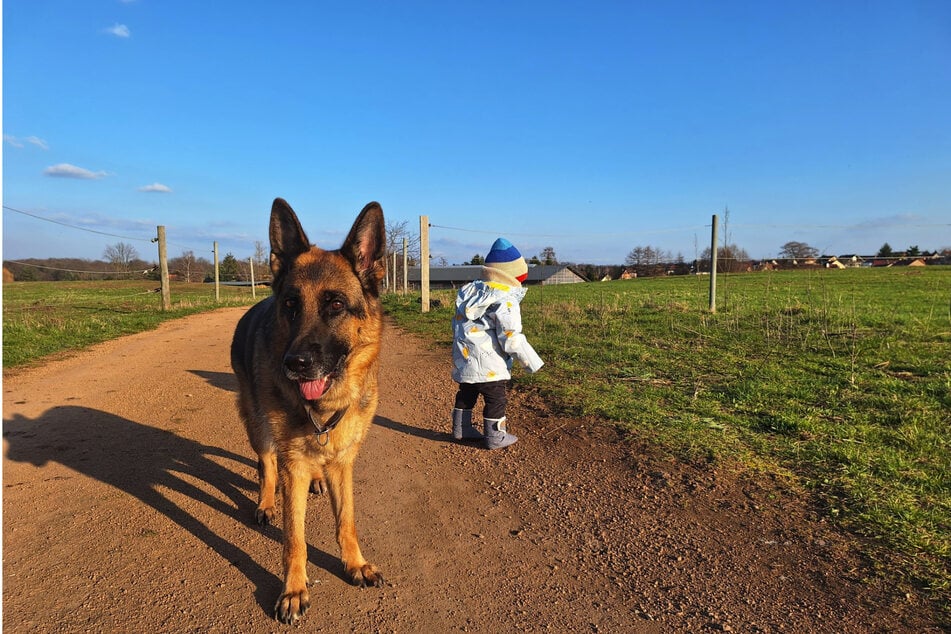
x,y
190,268
476,259
730,259
184,265
648,256
534,260
798,251
637,256
395,232
548,255
120,255
913,251
228,269
260,253
26,274
260,260
885,251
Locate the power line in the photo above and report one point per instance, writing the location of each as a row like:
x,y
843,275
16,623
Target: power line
x,y
572,235
102,233
733,225
53,268
66,224
853,226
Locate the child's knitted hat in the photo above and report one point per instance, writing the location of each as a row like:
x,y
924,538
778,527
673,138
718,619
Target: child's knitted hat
x,y
505,257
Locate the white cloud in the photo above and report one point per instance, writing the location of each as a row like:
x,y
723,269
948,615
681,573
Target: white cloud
x,y
119,30
156,187
32,140
65,170
38,142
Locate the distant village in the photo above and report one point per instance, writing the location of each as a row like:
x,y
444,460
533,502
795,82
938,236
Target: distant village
x,y
542,274
642,262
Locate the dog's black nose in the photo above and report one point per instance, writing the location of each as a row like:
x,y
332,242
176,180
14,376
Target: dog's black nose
x,y
298,361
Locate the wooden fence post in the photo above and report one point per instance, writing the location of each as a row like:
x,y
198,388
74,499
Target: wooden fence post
x,y
713,266
163,268
217,279
254,294
405,267
424,262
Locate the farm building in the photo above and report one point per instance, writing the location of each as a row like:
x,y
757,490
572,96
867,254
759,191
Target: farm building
x,y
456,276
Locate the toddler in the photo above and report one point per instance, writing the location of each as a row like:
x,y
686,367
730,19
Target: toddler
x,y
487,335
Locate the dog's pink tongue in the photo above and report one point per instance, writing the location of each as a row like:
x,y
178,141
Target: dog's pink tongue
x,y
313,390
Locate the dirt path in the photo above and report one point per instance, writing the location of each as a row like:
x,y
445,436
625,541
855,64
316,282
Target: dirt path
x,y
128,487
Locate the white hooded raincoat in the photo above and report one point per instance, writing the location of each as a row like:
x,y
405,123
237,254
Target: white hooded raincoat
x,y
487,330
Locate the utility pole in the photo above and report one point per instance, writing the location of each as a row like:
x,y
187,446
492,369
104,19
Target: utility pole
x,y
424,261
713,266
217,279
405,267
253,293
163,267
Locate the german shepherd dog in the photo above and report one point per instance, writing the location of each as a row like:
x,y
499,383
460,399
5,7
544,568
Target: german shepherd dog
x,y
306,363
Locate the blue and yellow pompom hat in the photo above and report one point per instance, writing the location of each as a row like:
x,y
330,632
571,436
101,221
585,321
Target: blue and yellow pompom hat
x,y
505,257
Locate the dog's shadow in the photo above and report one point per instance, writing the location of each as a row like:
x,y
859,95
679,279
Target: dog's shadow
x,y
418,432
226,381
142,461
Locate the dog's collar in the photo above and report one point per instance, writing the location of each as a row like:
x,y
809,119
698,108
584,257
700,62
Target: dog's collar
x,y
323,430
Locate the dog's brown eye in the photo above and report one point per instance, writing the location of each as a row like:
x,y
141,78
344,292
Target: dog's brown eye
x,y
291,303
337,305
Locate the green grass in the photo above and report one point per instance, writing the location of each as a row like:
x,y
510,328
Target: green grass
x,y
47,318
840,381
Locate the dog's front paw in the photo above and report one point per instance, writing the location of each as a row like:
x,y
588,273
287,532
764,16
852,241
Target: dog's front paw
x,y
291,606
264,515
366,575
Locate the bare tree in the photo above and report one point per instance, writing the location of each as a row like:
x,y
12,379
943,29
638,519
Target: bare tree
x,y
798,251
187,264
730,259
120,255
260,259
548,255
260,253
396,232
647,256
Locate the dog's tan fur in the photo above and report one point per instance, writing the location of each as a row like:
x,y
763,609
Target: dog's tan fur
x,y
323,320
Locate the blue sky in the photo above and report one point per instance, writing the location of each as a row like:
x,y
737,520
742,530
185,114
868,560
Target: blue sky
x,y
589,127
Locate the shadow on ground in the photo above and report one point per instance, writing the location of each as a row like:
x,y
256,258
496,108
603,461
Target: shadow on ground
x,y
141,461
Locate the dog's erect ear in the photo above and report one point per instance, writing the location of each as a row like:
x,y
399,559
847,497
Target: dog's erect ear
x,y
288,239
365,246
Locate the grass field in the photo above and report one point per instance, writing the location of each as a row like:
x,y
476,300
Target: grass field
x,y
838,381
44,318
